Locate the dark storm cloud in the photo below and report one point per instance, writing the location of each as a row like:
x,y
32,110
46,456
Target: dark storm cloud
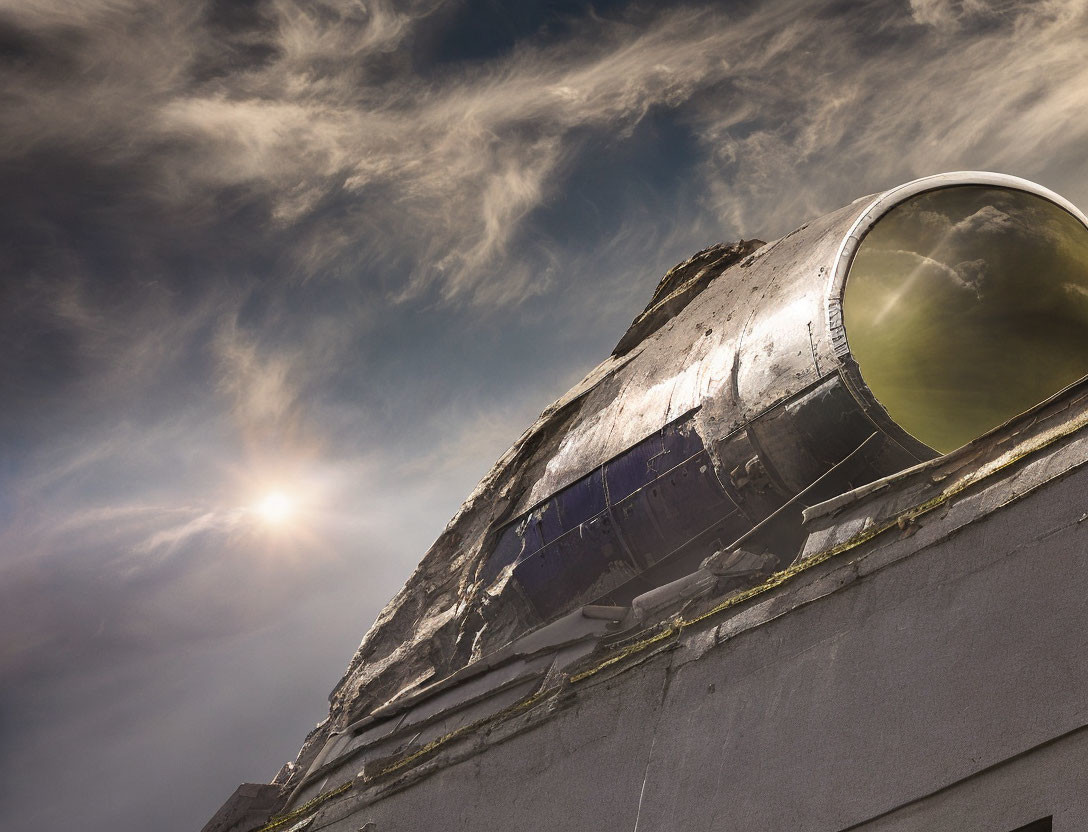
x,y
354,248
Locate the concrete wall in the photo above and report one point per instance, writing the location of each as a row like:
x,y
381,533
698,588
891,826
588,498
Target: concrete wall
x,y
945,691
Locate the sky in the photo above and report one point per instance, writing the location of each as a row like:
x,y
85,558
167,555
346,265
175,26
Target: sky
x,y
281,280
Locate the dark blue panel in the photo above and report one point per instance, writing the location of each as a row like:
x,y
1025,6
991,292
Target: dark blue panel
x,y
649,528
580,501
632,469
672,509
545,518
685,502
516,542
581,565
637,525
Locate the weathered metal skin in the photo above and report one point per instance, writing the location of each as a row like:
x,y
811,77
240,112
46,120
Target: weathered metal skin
x,y
762,372
733,393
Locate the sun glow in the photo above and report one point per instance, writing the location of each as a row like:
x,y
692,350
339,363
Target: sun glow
x,y
275,508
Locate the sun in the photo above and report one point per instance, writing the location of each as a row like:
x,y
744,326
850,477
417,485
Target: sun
x,y
275,508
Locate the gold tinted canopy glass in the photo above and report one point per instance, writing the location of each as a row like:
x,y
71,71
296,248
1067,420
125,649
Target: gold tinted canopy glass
x,y
967,305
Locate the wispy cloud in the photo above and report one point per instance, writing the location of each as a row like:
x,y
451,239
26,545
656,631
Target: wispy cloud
x,y
444,173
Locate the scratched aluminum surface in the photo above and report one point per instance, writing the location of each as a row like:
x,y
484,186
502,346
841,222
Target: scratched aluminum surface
x,y
746,342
